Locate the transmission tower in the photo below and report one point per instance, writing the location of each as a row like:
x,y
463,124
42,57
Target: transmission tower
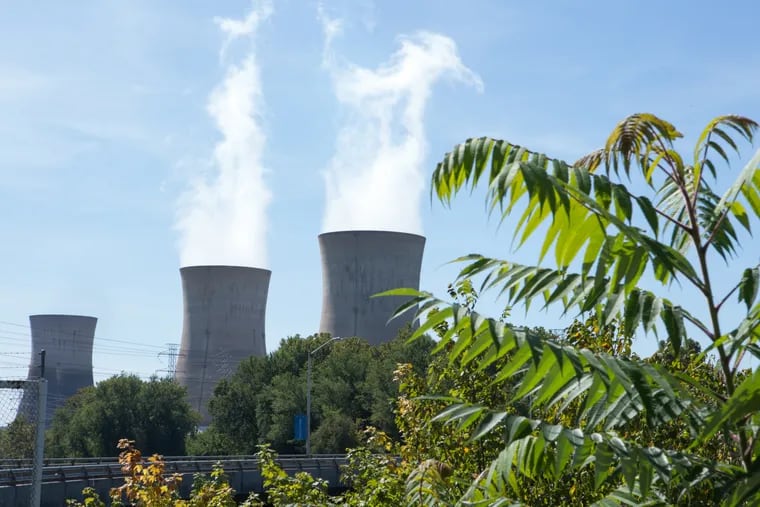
x,y
170,354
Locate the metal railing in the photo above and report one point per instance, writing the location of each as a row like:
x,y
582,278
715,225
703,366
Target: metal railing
x,y
70,469
10,463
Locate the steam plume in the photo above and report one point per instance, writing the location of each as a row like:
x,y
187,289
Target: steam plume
x,y
222,217
375,179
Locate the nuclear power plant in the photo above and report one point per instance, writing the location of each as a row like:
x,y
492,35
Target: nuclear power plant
x,y
67,341
224,316
224,322
359,264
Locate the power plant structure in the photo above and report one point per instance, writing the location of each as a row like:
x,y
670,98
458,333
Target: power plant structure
x,y
67,341
224,314
355,266
224,321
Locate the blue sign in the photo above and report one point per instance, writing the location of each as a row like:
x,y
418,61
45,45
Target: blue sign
x,y
299,427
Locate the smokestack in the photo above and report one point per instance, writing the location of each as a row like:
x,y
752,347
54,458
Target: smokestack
x,y
224,321
358,264
67,341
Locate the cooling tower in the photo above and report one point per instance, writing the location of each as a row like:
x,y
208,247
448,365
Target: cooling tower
x,y
358,264
224,317
67,341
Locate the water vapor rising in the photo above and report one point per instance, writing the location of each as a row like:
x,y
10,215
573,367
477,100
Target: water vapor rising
x,y
376,178
222,216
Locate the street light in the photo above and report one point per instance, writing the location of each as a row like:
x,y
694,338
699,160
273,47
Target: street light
x,y
308,393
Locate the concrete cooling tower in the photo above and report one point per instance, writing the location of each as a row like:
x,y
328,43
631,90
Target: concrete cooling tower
x,y
224,321
358,264
67,341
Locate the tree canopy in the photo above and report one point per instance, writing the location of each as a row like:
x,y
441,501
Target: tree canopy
x,y
352,388
154,413
17,439
605,240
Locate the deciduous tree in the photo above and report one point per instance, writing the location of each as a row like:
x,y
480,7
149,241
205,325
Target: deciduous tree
x,y
154,413
600,238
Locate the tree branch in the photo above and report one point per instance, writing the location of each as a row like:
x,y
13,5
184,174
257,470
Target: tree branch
x,y
699,325
725,298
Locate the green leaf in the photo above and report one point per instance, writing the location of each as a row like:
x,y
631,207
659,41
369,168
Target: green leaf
x,y
745,401
551,431
491,421
648,210
745,184
564,452
748,286
622,202
604,458
673,320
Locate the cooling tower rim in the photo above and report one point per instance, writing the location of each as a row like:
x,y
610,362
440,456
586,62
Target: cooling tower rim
x,y
59,315
219,267
369,232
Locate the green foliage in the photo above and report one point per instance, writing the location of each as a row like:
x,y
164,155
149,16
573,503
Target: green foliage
x,y
337,432
281,400
90,499
17,439
210,442
673,429
352,388
146,484
282,489
212,491
153,413
375,473
444,449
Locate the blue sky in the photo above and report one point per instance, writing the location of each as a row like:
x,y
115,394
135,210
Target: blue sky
x,y
104,126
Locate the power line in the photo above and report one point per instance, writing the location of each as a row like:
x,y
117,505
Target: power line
x,y
135,350
16,324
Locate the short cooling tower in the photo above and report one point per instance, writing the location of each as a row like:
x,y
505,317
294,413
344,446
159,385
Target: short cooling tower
x,y
224,320
67,341
358,264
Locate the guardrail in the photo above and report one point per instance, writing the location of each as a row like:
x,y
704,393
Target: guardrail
x,y
62,481
64,469
6,463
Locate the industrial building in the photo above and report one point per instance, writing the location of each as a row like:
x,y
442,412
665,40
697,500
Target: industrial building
x,y
355,266
67,341
223,323
224,314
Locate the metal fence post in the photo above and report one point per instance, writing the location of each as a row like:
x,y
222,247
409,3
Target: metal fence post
x,y
39,444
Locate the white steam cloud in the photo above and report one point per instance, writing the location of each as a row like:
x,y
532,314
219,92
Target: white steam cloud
x,y
222,216
376,178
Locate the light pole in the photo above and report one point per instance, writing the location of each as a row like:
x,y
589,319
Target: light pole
x,y
308,394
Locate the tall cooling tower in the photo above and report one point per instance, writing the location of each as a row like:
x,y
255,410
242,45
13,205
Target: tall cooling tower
x,y
67,341
358,264
224,320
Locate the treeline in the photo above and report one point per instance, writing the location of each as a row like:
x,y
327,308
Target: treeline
x,y
154,413
379,403
352,388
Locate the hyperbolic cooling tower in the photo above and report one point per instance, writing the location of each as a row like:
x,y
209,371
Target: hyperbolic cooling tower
x,y
358,264
224,320
67,341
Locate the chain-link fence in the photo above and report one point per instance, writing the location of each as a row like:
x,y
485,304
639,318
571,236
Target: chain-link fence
x,y
22,433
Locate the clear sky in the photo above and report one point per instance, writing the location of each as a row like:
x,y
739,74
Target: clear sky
x,y
110,112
